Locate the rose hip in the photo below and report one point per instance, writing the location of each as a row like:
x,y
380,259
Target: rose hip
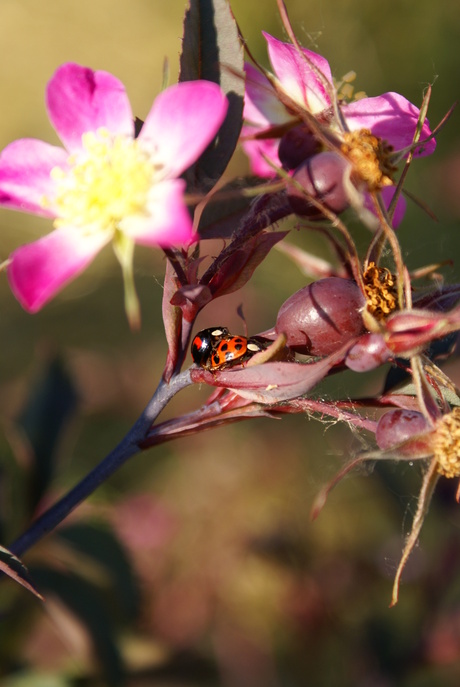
x,y
399,425
322,178
322,316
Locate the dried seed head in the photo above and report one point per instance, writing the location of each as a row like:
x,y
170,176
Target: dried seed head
x,y
446,444
381,292
371,158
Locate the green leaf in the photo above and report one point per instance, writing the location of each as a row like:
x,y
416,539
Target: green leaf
x,y
51,403
100,544
15,569
212,50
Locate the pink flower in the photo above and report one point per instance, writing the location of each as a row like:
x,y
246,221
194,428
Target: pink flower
x,y
104,185
389,117
301,84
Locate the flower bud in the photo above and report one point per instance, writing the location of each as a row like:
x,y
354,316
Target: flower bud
x,y
399,425
322,317
368,353
297,145
322,178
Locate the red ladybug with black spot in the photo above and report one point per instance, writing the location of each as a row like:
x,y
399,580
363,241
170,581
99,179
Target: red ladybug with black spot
x,y
215,348
205,342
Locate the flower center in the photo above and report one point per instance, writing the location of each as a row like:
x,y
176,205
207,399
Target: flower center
x,y
446,444
371,158
380,288
107,181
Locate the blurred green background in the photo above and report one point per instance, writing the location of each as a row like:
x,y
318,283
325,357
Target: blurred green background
x,y
238,587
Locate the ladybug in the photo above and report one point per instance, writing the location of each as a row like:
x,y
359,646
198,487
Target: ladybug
x,y
205,343
229,351
215,348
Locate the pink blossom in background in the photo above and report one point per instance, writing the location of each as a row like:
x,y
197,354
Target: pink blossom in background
x,y
390,116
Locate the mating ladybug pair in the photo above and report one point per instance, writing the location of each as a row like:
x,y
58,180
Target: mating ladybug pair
x,y
215,348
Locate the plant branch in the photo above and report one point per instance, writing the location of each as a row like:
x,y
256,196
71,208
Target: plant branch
x,y
128,447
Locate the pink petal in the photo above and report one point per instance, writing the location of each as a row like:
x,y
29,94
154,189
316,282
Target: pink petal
x,y
169,223
183,120
262,107
391,117
39,270
25,181
80,100
297,77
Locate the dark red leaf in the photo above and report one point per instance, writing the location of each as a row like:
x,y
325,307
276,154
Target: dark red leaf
x,y
212,50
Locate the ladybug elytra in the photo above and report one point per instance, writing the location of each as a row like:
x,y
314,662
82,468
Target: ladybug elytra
x,y
205,342
215,348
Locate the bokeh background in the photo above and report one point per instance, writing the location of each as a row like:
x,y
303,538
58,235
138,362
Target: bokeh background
x,y
221,578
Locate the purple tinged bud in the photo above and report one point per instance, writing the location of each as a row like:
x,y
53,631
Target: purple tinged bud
x,y
368,353
397,426
322,317
322,178
296,146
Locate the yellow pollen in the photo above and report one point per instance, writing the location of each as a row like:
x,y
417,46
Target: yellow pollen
x,y
107,181
381,292
446,444
371,158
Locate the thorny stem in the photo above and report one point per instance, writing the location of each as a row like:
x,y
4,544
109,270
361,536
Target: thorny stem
x,y
129,446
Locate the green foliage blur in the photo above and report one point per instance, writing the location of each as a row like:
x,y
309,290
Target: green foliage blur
x,y
236,585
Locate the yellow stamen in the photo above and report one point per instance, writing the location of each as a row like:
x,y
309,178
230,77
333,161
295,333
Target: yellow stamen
x,y
371,158
381,291
106,182
446,444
